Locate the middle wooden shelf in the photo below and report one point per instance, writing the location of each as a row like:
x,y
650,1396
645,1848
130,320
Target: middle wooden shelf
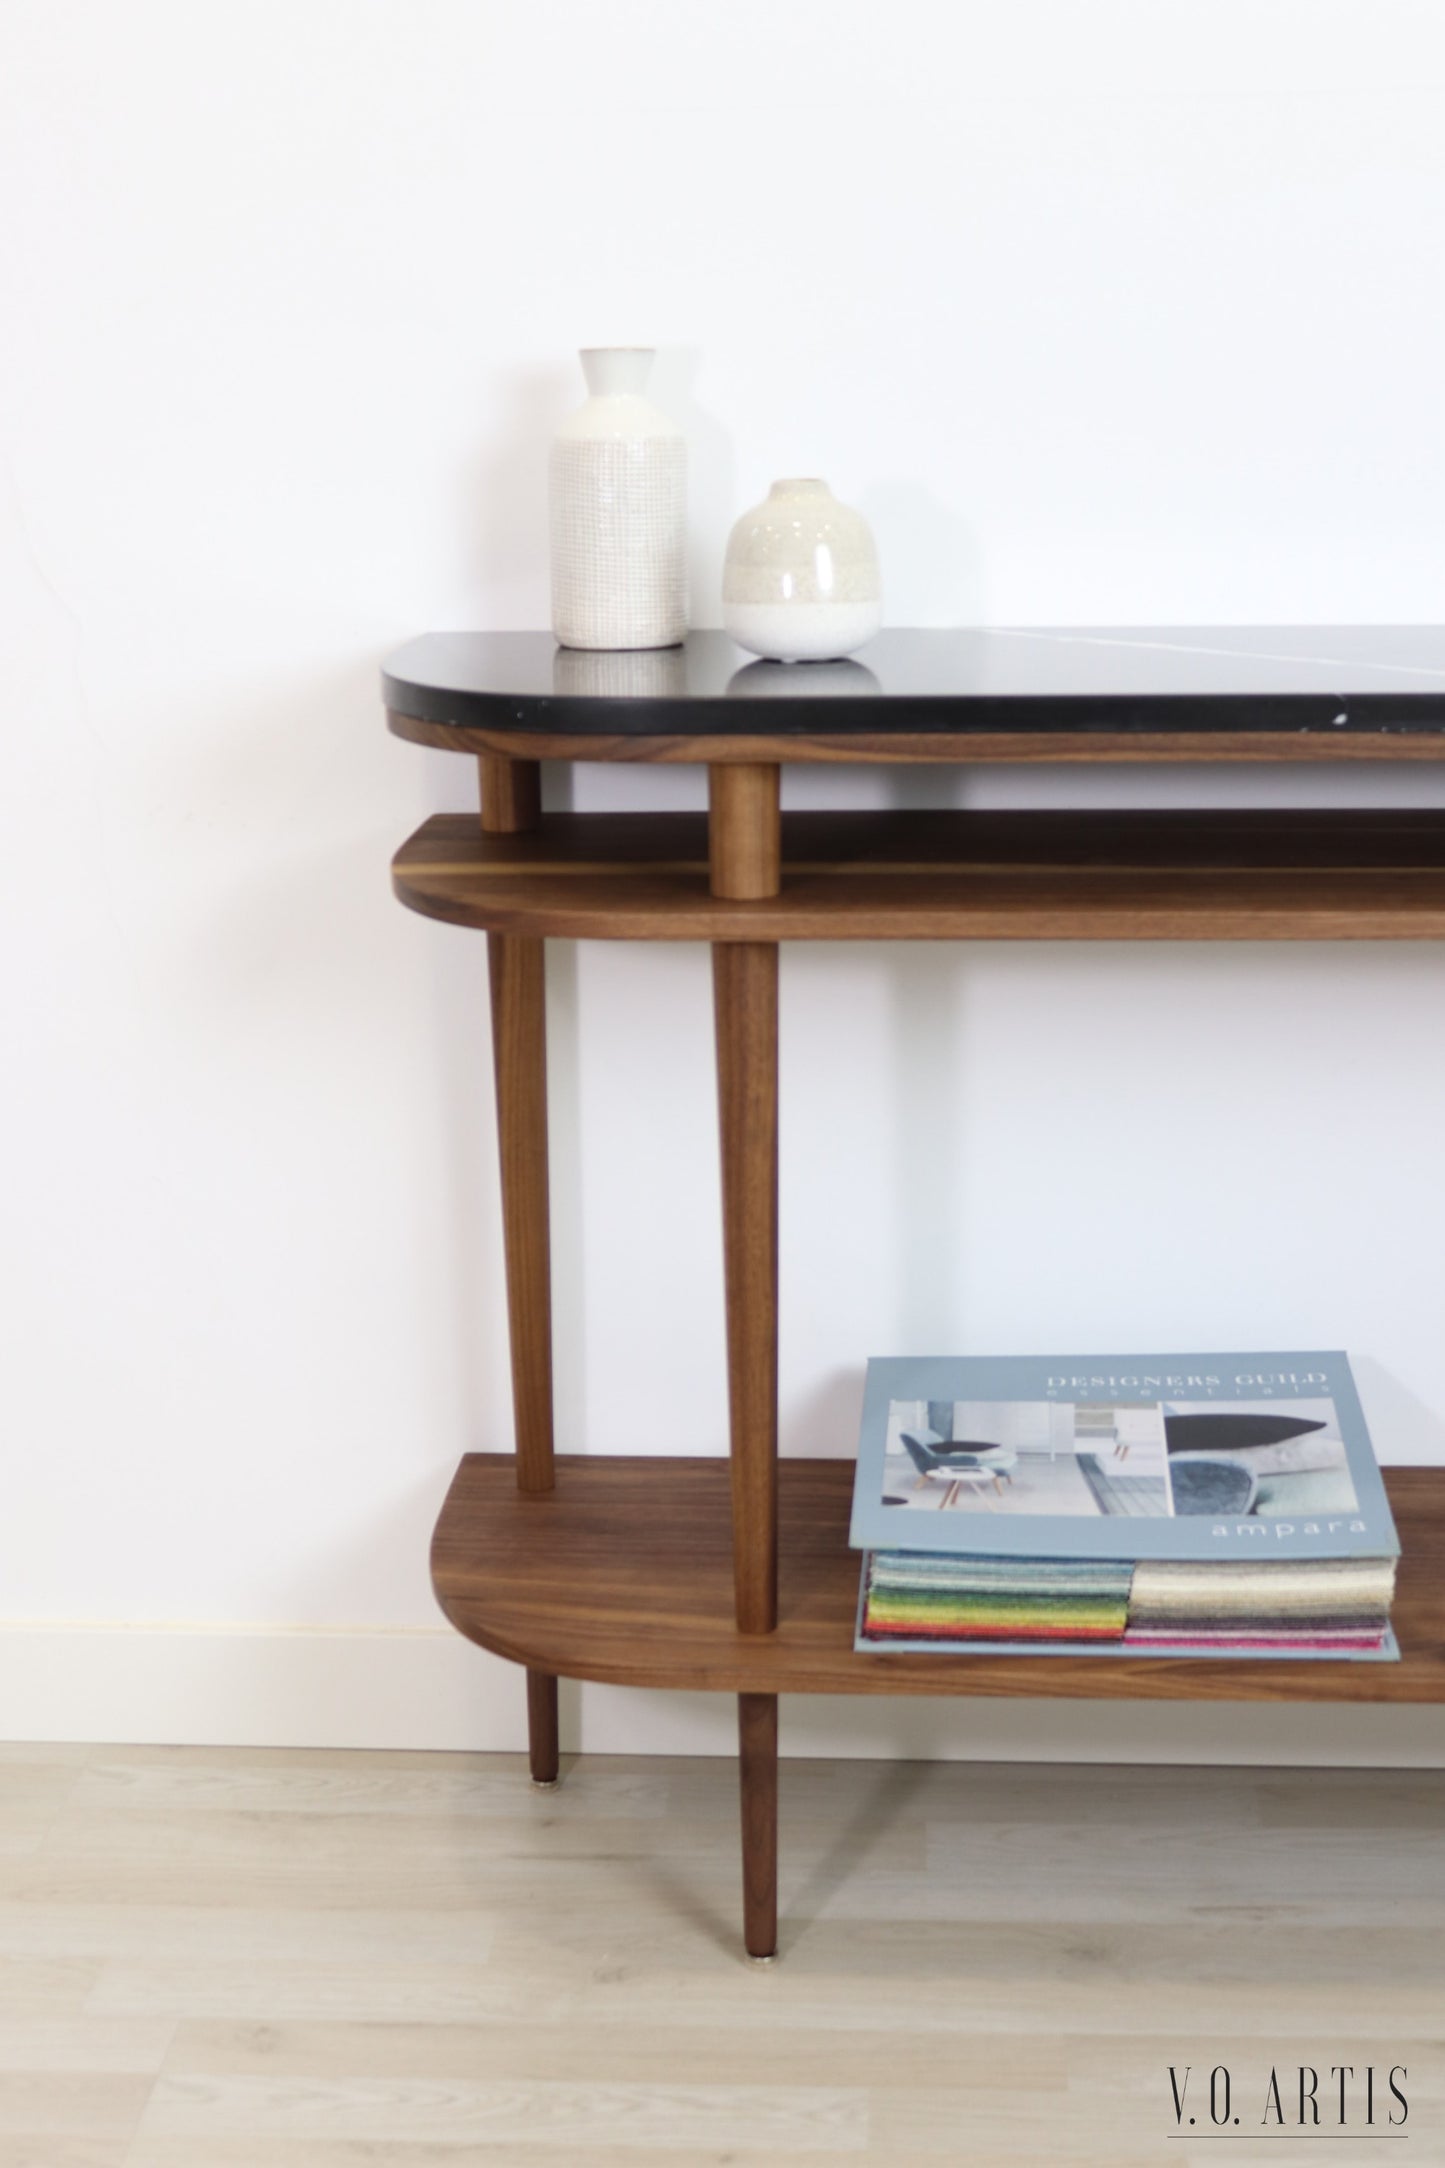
x,y
944,875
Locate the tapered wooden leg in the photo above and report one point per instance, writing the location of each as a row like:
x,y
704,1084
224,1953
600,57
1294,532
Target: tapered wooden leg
x,y
511,804
758,1774
519,1047
744,850
743,832
542,1727
745,986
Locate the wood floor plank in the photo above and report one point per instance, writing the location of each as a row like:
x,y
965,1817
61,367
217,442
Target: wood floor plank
x,y
35,1786
149,1781
280,1992
156,2152
122,1921
607,2051
421,1856
38,1987
74,2104
586,2120
943,1977
995,1964
89,2043
48,2149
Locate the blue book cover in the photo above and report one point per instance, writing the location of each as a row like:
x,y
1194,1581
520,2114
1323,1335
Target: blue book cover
x,y
1233,1458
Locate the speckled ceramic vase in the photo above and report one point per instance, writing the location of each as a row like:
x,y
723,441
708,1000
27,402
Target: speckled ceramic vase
x,y
618,503
800,580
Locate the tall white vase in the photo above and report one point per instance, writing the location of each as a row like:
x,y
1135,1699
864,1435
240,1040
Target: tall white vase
x,y
619,512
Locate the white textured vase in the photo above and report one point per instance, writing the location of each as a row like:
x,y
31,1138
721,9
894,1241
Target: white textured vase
x,y
619,512
800,579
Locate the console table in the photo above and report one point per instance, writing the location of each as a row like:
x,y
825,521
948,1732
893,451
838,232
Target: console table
x,y
737,1575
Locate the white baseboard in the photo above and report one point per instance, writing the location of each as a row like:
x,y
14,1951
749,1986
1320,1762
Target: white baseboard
x,y
427,1688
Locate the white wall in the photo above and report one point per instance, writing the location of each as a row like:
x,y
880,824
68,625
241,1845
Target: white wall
x,y
1106,314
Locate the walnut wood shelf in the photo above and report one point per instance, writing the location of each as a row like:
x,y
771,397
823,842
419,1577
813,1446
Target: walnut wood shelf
x,y
917,876
624,1574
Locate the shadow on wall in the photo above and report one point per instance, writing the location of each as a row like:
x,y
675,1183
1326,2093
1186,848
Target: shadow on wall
x,y
928,552
711,487
272,965
506,497
1404,1431
928,991
822,1424
566,1190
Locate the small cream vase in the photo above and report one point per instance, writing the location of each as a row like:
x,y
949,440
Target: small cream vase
x,y
800,580
618,504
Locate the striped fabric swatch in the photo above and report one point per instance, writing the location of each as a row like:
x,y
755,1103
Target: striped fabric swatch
x,y
909,1597
1170,1593
1160,1641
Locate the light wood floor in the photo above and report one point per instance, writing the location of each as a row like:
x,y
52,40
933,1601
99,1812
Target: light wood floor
x,y
235,1959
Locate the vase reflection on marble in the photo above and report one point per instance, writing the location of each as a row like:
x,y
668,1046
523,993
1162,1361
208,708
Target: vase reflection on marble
x,y
658,673
801,580
618,512
840,679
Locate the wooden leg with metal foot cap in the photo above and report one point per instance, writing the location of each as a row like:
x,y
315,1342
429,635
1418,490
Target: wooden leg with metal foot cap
x,y
511,805
758,1771
542,1746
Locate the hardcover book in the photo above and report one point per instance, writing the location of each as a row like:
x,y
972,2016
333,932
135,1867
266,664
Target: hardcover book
x,y
1242,1459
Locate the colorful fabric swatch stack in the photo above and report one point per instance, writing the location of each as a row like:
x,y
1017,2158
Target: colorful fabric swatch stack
x,y
910,1596
1277,1607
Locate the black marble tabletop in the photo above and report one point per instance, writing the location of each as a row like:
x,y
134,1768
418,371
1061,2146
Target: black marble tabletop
x,y
1152,679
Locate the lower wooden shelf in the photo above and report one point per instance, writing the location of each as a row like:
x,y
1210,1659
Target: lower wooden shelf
x,y
623,1573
